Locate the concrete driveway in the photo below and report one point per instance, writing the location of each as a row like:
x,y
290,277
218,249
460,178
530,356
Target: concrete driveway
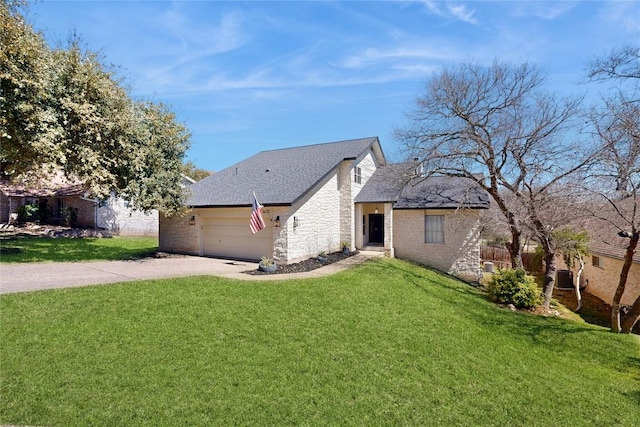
x,y
38,276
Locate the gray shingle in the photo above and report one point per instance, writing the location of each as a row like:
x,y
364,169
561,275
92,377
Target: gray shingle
x,y
385,184
397,183
278,177
441,192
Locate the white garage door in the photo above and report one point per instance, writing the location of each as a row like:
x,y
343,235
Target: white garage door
x,y
231,238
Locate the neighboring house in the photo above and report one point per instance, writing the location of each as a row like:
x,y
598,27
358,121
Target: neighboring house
x,y
54,201
602,271
316,197
115,215
57,198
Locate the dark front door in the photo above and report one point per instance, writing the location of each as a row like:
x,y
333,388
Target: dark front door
x,y
376,228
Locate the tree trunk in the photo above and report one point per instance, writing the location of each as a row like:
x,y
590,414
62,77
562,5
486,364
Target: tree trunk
x,y
628,260
578,295
631,318
515,248
549,278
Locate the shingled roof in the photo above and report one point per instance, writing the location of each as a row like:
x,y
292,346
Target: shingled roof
x,y
278,177
398,183
51,185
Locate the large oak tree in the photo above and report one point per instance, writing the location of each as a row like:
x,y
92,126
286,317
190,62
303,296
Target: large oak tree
x,y
616,180
65,110
497,125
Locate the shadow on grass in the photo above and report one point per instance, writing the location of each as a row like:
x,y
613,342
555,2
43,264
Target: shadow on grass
x,y
476,303
535,332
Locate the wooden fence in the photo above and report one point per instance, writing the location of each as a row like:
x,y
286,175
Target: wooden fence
x,y
501,259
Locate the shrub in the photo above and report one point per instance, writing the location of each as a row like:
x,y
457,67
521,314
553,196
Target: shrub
x,y
27,213
69,216
514,287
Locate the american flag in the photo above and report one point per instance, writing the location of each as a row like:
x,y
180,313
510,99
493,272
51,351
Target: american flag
x,y
257,223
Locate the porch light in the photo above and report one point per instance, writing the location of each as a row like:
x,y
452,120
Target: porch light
x,y
376,211
276,222
192,221
296,221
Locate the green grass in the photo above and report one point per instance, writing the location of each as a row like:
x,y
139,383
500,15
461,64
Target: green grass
x,y
385,343
47,249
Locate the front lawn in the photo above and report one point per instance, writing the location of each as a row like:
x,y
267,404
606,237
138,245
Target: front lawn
x,y
384,343
24,248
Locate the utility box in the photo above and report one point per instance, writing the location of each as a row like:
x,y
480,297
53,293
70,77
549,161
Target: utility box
x,y
564,279
488,267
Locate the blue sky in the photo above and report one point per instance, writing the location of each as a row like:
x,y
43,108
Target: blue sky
x,y
247,76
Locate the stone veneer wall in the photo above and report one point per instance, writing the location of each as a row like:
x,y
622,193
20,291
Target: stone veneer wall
x,y
177,235
350,223
318,229
281,234
458,256
389,249
346,206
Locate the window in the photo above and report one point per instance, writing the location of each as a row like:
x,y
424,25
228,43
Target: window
x,y
595,261
434,228
357,177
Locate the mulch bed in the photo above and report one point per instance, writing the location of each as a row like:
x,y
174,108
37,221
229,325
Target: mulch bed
x,y
303,266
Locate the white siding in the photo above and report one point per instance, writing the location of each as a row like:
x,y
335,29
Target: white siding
x,y
115,216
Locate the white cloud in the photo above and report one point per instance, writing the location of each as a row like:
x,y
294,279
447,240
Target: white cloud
x,y
624,14
453,10
547,10
461,13
372,56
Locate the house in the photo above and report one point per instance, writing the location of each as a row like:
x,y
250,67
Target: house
x,y
317,197
58,201
115,214
54,202
602,269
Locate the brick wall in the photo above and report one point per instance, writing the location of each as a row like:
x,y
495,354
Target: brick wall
x,y
458,256
603,280
4,208
86,210
177,235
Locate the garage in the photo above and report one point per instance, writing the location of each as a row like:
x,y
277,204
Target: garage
x,y
230,237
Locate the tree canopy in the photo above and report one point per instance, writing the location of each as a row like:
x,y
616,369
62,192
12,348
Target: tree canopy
x,y
64,110
497,126
616,178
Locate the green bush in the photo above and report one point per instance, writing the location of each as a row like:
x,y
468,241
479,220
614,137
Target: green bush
x,y
514,287
69,216
27,213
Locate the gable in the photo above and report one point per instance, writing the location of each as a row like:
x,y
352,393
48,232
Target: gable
x,y
278,177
